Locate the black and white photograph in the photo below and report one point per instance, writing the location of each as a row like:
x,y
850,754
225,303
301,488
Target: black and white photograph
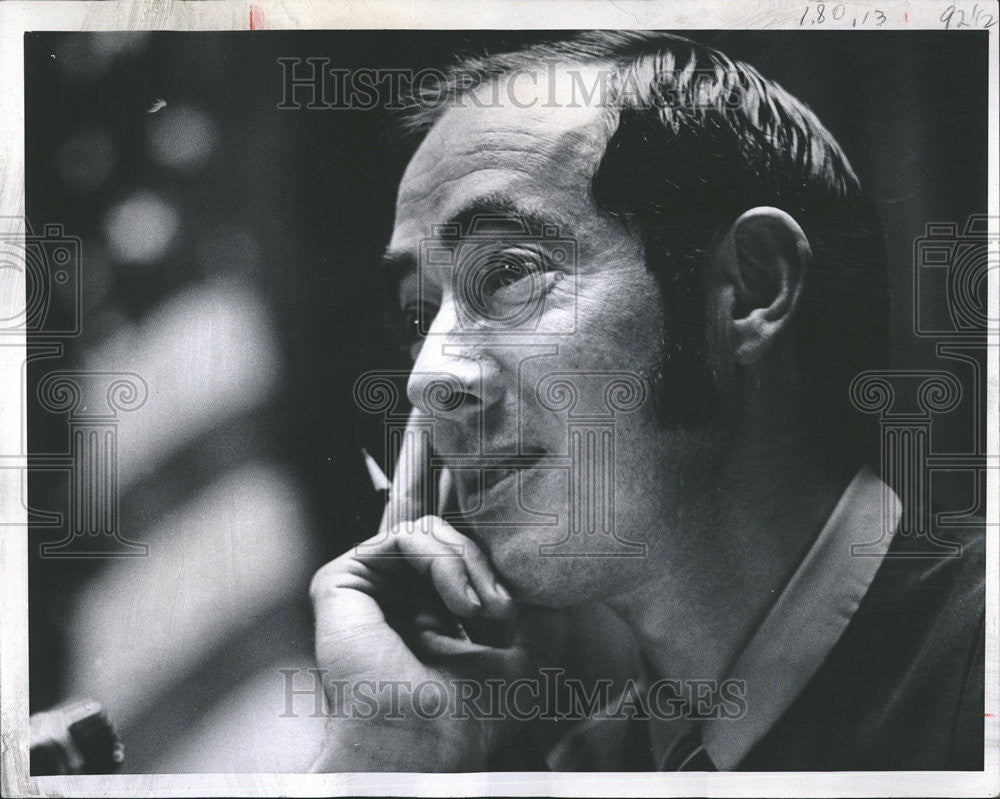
x,y
520,399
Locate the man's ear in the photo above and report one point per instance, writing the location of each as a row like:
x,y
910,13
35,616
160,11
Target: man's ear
x,y
760,265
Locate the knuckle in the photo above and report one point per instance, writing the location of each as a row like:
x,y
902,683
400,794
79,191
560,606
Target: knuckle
x,y
325,579
424,524
406,527
412,529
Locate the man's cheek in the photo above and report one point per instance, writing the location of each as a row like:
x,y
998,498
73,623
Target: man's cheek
x,y
618,320
547,580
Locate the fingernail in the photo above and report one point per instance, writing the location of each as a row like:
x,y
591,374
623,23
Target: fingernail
x,y
473,597
500,590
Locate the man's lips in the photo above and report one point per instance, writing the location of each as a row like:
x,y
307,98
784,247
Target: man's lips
x,y
480,477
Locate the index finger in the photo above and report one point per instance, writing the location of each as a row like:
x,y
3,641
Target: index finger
x,y
411,496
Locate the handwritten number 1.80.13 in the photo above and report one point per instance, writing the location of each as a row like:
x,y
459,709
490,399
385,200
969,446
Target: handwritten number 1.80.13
x,y
818,13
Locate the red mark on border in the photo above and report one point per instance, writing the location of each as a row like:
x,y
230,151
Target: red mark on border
x,y
906,18
257,20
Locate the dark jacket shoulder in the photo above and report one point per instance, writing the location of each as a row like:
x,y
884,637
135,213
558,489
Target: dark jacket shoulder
x,y
903,688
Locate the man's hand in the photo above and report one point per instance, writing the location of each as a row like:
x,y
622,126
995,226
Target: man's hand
x,y
417,605
386,612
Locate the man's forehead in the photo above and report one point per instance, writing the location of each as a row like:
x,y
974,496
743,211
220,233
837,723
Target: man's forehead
x,y
511,134
549,99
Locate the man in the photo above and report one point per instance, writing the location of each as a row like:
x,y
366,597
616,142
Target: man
x,y
720,259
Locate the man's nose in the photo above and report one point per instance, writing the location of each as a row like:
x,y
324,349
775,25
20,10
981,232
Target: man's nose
x,y
454,375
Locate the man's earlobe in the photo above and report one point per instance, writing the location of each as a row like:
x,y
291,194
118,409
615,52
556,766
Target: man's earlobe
x,y
762,261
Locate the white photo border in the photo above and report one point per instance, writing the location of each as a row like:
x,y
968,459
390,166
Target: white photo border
x,y
70,15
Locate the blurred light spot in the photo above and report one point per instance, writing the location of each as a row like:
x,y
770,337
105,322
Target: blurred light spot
x,y
140,228
236,550
76,55
207,354
157,105
116,43
228,249
181,137
88,56
87,159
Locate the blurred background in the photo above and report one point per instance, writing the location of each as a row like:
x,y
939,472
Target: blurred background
x,y
229,254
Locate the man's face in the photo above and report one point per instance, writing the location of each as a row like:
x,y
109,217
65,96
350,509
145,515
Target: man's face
x,y
505,312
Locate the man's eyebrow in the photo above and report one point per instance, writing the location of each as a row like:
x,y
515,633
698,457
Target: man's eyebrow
x,y
398,265
489,214
492,212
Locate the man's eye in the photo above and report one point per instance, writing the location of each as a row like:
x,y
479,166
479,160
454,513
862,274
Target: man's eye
x,y
505,270
414,321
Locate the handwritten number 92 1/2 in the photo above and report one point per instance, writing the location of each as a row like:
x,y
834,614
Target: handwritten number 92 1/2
x,y
821,12
976,18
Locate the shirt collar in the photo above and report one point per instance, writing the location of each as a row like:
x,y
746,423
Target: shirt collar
x,y
784,652
804,623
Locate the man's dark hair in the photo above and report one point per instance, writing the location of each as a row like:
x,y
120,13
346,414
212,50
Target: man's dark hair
x,y
699,139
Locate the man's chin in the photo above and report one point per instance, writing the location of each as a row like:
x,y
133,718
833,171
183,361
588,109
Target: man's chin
x,y
530,574
526,535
